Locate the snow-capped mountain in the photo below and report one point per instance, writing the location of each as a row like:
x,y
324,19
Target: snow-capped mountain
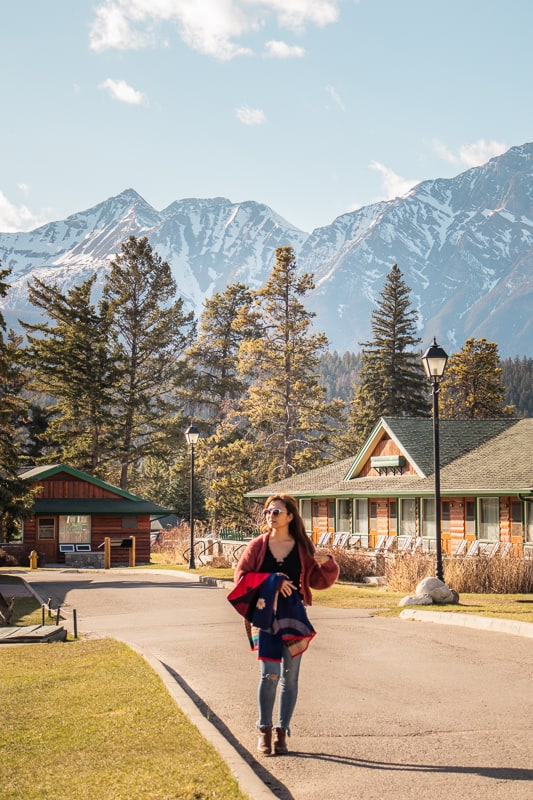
x,y
464,245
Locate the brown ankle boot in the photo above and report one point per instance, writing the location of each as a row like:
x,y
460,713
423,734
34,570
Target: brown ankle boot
x,y
264,743
280,742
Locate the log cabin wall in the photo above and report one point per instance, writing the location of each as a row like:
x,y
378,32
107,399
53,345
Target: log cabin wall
x,y
103,526
385,447
61,489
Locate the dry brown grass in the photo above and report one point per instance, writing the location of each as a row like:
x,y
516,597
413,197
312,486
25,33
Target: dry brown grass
x,y
483,575
173,544
405,570
477,575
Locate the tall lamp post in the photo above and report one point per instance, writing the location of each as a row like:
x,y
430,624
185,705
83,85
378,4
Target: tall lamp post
x,y
434,361
192,435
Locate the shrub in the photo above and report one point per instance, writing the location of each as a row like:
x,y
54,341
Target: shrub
x,y
354,565
16,556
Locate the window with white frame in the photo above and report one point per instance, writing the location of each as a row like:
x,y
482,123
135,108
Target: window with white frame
x,y
529,522
489,518
361,520
393,518
344,515
75,529
407,517
306,513
428,518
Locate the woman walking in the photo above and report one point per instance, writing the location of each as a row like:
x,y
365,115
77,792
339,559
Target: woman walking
x,y
274,578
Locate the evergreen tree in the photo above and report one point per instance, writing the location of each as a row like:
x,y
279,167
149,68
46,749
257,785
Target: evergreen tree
x,y
150,332
391,379
73,373
15,497
472,386
285,405
338,374
215,386
517,376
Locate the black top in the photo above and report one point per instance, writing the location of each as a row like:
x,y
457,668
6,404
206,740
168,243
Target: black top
x,y
290,565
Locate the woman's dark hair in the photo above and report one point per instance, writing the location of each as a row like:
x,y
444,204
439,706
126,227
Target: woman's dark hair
x,y
296,525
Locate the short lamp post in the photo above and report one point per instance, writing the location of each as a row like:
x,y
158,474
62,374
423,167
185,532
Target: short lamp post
x,y
192,435
434,361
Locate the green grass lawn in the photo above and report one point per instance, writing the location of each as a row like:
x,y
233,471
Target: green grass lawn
x,y
90,719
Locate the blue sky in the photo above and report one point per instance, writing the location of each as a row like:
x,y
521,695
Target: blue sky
x,y
314,107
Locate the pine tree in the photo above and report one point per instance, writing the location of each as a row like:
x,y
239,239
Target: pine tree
x,y
517,376
472,386
215,386
391,379
15,497
71,365
150,332
285,405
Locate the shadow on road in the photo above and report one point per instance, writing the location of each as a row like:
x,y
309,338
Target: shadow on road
x,y
268,779
497,773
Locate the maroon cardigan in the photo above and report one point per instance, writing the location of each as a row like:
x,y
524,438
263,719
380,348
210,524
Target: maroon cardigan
x,y
313,576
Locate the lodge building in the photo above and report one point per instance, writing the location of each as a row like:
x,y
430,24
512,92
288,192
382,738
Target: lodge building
x,y
388,488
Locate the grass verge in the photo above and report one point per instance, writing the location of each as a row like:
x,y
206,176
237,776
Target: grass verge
x,y
91,719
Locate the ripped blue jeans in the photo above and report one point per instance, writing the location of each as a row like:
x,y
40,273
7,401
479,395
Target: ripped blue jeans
x,y
286,674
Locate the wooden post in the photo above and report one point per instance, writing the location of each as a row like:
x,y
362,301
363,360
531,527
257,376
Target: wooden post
x,y
107,553
132,552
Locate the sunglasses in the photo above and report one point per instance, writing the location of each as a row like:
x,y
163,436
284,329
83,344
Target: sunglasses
x,y
274,511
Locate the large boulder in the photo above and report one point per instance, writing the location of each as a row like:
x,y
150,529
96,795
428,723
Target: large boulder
x,y
416,600
429,591
440,593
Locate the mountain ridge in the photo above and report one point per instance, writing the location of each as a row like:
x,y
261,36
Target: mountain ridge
x,y
464,245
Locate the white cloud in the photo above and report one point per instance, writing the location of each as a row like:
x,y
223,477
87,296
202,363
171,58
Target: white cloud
x,y
296,14
122,91
393,185
15,218
275,49
208,26
335,96
250,116
470,155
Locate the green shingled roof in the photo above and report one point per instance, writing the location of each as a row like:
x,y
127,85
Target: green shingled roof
x,y
481,456
456,437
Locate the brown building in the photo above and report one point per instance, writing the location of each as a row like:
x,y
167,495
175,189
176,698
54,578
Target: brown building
x,y
387,489
74,512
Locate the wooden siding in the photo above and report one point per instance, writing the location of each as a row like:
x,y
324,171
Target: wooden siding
x,y
454,522
58,488
385,447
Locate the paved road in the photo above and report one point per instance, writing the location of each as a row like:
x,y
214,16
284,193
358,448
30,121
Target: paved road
x,y
387,708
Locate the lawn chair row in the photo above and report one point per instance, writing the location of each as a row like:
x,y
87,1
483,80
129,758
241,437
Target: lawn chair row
x,y
478,548
341,539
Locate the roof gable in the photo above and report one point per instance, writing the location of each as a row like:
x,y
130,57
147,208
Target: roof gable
x,y
39,473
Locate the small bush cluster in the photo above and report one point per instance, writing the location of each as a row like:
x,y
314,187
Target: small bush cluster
x,y
354,565
172,544
16,556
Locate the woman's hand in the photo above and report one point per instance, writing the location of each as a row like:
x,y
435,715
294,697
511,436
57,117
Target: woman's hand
x,y
286,588
321,558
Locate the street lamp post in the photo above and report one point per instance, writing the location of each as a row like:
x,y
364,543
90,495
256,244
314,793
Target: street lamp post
x,y
192,435
434,361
